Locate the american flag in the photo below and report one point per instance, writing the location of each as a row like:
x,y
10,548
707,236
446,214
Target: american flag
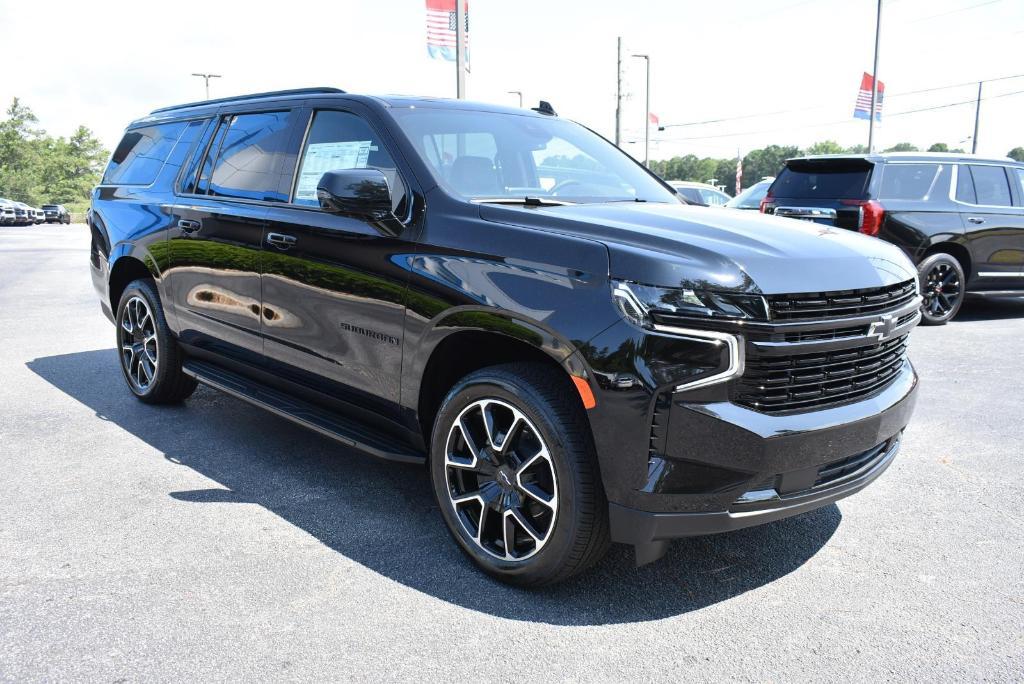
x,y
860,111
441,24
739,172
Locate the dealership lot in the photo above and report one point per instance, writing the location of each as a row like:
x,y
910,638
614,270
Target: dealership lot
x,y
215,541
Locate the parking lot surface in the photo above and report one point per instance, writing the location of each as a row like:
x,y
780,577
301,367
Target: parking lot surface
x,y
215,541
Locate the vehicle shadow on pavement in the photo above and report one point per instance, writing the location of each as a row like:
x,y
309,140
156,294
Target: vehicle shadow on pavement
x,y
384,516
990,309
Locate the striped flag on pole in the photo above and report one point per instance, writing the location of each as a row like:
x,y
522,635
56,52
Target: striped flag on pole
x,y
863,106
739,172
441,29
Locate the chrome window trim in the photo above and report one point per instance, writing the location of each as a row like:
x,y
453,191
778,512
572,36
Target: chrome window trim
x,y
733,344
956,176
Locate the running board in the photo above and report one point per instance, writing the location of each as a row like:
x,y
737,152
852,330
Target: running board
x,y
345,430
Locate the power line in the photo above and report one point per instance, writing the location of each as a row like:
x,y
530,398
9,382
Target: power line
x,y
955,11
836,123
807,109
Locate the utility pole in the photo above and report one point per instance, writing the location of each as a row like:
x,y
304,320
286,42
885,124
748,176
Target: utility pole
x,y
874,82
618,95
206,78
647,113
520,94
977,118
460,48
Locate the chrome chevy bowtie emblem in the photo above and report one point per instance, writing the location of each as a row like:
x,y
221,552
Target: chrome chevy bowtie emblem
x,y
884,328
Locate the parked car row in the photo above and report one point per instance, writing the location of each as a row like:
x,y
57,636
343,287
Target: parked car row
x,y
20,214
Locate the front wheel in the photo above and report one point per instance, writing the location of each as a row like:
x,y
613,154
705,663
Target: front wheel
x,y
149,354
942,286
516,477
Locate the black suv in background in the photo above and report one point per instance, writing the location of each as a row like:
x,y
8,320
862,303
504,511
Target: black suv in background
x,y
56,213
507,298
960,218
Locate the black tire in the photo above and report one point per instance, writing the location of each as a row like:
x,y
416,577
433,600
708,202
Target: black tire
x,y
154,382
576,518
943,282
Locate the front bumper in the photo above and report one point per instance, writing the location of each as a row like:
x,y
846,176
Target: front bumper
x,y
728,467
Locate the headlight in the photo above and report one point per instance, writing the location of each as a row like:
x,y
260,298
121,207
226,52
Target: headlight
x,y
647,305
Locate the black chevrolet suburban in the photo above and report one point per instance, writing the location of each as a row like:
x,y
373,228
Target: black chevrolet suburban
x,y
503,296
959,217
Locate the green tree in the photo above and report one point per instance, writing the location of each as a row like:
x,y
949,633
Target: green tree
x,y
856,149
939,147
825,147
37,168
904,147
1017,153
767,161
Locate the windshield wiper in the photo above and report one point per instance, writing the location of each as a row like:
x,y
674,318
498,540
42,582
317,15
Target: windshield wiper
x,y
527,201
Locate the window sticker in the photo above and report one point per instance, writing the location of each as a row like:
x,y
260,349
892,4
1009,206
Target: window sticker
x,y
323,157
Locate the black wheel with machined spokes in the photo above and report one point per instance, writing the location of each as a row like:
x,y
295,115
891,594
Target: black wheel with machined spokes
x,y
942,288
148,351
137,340
515,474
501,480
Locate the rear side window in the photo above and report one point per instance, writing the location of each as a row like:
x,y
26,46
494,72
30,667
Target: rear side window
x,y
141,153
248,160
1020,180
909,181
342,140
821,181
991,185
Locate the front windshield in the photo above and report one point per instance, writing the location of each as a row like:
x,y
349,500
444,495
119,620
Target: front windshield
x,y
751,197
493,155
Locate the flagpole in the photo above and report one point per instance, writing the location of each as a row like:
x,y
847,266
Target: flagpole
x,y
460,48
647,114
874,82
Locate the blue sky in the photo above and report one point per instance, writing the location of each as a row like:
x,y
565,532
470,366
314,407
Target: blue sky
x,y
104,63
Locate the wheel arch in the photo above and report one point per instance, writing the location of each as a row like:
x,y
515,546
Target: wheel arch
x,y
468,340
954,249
123,270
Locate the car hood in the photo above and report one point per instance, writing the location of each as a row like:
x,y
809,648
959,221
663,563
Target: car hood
x,y
672,245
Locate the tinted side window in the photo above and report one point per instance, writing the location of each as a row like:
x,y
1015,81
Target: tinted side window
x,y
341,140
248,161
991,185
200,183
965,186
1020,180
908,181
141,154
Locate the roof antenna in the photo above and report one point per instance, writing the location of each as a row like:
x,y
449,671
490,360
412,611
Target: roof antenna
x,y
545,108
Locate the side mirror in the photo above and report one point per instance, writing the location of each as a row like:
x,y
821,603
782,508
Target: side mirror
x,y
357,192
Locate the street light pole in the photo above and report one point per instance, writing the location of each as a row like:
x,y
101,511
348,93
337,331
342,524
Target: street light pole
x,y
647,113
977,118
618,95
206,78
874,82
520,94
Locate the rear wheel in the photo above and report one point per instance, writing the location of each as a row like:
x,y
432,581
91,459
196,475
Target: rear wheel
x,y
516,477
149,354
942,286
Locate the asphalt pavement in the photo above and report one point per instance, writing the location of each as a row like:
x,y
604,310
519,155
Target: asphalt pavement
x,y
213,541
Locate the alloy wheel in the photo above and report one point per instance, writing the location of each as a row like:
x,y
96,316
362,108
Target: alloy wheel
x,y
501,480
137,340
941,290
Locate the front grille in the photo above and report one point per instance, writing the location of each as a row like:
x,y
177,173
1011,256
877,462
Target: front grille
x,y
774,384
840,303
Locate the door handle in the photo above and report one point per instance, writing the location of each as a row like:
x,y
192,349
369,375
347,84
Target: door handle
x,y
188,227
280,240
975,219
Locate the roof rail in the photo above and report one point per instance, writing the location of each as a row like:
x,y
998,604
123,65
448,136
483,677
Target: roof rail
x,y
251,96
